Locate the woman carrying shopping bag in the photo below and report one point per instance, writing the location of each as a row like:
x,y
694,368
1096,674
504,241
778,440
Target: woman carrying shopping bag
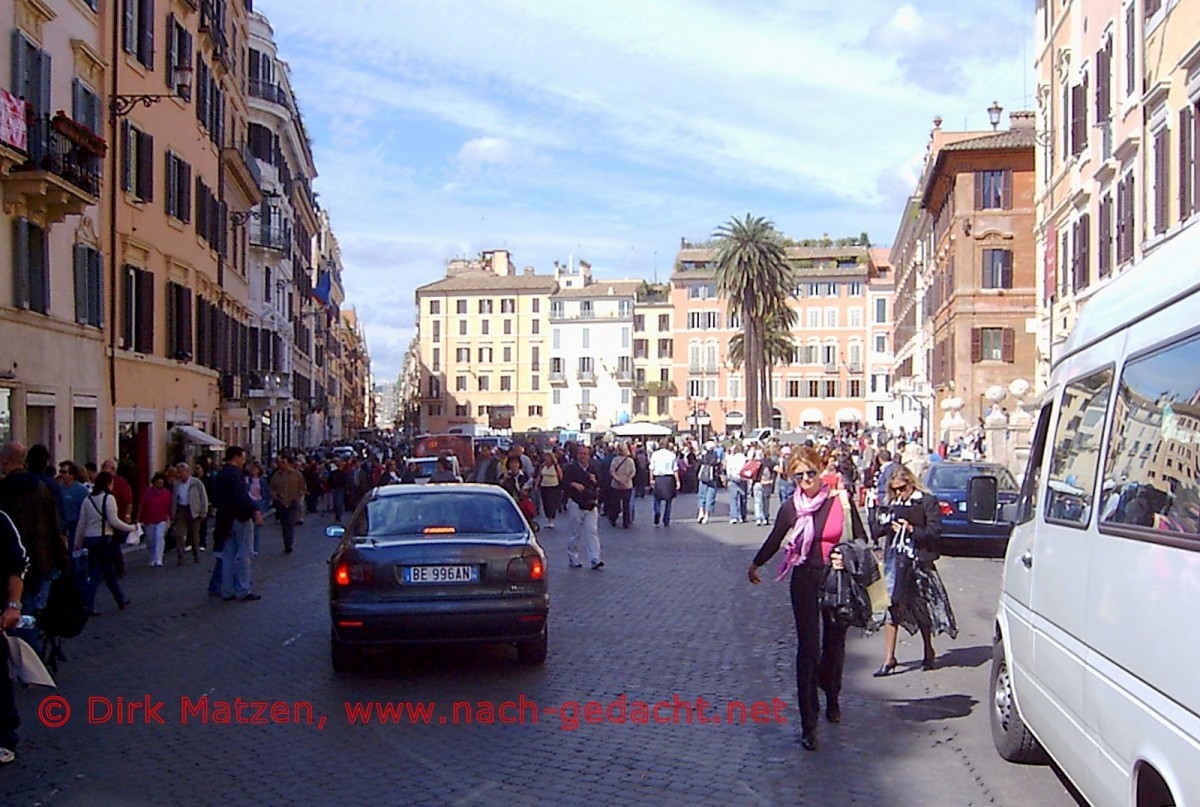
x,y
100,531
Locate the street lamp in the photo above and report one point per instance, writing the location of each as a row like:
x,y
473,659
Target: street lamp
x,y
181,78
994,114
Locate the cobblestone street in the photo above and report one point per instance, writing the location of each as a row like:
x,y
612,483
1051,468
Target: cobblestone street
x,y
671,614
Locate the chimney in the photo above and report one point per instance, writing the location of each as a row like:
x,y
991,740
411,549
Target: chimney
x,y
1022,119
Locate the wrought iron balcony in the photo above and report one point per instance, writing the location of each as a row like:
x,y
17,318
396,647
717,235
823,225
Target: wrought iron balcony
x,y
269,91
624,377
558,377
61,175
661,388
586,377
265,236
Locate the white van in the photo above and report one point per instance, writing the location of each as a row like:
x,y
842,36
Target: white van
x,y
1096,659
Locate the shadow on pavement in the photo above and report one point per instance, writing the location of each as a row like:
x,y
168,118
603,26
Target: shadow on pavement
x,y
976,656
941,707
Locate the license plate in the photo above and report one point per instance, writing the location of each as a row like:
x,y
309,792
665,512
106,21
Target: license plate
x,y
440,574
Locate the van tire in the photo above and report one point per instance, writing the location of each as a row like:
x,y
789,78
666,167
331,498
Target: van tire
x,y
1012,738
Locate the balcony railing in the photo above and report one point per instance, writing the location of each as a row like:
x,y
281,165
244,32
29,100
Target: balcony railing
x,y
66,149
702,368
267,237
269,91
558,377
624,377
661,387
586,377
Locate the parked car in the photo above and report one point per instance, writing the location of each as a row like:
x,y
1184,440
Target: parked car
x,y
436,564
948,482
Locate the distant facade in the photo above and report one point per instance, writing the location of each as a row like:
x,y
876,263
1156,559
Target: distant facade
x,y
484,346
825,384
966,281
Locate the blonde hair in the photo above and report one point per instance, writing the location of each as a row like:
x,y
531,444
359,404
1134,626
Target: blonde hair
x,y
905,474
806,455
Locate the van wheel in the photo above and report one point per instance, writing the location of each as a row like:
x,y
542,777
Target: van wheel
x,y
1010,735
533,652
344,658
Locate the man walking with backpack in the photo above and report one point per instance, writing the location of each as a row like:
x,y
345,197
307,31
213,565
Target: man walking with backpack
x,y
707,478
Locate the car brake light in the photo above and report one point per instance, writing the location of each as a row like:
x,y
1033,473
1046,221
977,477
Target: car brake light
x,y
440,530
350,573
946,508
525,569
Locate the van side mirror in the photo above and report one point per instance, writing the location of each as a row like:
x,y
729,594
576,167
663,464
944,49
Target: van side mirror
x,y
983,495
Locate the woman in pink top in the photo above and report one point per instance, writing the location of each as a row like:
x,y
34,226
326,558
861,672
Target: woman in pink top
x,y
812,521
154,512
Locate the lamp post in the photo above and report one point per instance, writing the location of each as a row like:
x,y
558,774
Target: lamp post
x,y
994,112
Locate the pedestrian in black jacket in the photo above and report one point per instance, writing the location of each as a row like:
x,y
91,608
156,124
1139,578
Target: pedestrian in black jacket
x,y
13,562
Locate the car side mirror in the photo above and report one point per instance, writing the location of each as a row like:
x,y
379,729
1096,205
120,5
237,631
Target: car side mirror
x,y
335,531
983,494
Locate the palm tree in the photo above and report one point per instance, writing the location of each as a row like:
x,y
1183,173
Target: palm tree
x,y
753,274
778,347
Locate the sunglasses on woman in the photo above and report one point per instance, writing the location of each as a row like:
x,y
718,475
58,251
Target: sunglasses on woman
x,y
898,488
806,474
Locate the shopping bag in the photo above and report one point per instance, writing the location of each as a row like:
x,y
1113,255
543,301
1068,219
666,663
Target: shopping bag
x,y
878,591
134,538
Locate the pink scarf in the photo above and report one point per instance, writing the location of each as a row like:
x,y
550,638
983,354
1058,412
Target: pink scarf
x,y
795,552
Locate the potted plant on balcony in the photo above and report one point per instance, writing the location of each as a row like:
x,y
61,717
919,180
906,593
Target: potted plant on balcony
x,y
79,135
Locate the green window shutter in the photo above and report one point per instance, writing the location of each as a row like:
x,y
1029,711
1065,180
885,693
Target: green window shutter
x,y
80,266
95,289
20,263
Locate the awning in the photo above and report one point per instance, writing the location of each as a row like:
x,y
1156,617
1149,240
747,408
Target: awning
x,y
734,418
848,415
194,435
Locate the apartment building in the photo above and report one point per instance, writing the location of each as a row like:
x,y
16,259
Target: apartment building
x,y
881,403
591,349
966,291
1119,97
484,346
53,382
653,355
133,315
824,385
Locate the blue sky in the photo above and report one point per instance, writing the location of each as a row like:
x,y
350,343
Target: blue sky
x,y
609,130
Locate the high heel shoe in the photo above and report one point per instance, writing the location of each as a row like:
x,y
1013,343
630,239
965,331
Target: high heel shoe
x,y
885,669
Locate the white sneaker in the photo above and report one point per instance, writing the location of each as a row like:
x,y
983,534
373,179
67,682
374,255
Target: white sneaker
x,y
7,755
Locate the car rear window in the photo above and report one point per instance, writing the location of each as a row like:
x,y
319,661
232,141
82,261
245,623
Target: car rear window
x,y
957,477
440,515
423,468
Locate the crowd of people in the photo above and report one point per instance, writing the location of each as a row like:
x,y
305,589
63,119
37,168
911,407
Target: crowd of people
x,y
71,521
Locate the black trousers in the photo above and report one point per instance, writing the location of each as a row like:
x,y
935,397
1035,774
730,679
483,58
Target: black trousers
x,y
820,646
621,505
9,719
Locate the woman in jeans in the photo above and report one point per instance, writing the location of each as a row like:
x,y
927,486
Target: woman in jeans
x,y
97,532
154,512
763,486
735,461
707,477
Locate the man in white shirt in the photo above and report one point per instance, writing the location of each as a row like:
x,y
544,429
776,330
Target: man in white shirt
x,y
734,462
664,473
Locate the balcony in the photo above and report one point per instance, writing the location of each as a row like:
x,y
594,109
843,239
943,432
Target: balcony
x,y
558,378
263,384
661,388
855,367
242,167
269,91
277,239
586,377
702,368
586,410
60,176
624,377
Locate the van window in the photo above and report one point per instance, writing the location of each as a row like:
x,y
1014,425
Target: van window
x,y
1150,479
1078,435
1027,503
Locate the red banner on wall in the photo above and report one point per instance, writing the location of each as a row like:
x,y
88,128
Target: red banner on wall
x,y
13,130
1050,262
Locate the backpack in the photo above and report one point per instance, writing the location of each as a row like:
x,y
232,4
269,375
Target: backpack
x,y
707,473
64,615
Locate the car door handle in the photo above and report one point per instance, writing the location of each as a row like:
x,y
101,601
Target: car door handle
x,y
1027,559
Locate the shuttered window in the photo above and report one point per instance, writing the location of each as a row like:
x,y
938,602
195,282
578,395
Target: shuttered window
x,y
179,322
993,344
1187,162
993,190
137,310
1079,125
1104,240
997,269
178,178
1081,253
1162,158
179,54
137,162
89,304
31,267
138,30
